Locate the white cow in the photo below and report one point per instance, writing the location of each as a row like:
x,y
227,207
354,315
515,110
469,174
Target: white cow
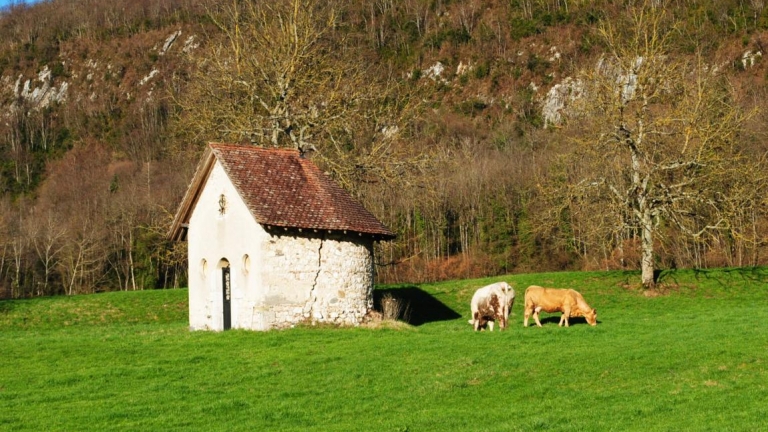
x,y
492,303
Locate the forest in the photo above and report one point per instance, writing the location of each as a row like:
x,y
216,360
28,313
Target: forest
x,y
492,136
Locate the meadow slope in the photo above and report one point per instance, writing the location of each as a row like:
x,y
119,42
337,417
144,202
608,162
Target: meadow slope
x,y
694,358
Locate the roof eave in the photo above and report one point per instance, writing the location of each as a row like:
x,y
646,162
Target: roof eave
x,y
181,219
376,236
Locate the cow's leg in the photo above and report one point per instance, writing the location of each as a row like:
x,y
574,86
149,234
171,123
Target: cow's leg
x,y
526,316
490,325
504,314
476,321
564,317
536,315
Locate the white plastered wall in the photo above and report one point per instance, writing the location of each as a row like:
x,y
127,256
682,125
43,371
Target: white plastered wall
x,y
213,237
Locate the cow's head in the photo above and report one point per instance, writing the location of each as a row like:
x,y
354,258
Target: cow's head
x,y
591,317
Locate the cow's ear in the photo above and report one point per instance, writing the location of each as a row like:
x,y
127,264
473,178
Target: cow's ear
x,y
594,311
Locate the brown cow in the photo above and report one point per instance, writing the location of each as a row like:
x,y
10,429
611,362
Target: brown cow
x,y
567,301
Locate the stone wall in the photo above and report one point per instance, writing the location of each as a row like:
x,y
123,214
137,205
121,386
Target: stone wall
x,y
325,278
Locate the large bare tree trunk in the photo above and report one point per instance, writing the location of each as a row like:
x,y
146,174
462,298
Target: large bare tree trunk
x,y
643,212
647,266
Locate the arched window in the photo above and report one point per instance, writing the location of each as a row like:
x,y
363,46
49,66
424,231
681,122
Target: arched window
x,y
246,264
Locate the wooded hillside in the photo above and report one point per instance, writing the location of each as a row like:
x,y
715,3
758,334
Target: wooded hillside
x,y
491,136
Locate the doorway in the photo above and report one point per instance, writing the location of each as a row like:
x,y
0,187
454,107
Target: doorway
x,y
226,293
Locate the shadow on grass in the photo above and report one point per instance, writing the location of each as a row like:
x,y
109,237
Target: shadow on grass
x,y
420,306
660,276
9,305
555,319
725,277
719,275
753,274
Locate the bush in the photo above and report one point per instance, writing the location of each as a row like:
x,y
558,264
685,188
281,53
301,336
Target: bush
x,y
520,28
393,308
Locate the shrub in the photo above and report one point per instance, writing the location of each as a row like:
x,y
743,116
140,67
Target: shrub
x,y
393,308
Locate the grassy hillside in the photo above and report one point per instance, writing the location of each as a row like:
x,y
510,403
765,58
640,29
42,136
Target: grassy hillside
x,y
693,358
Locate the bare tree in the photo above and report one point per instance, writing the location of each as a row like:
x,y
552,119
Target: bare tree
x,y
47,233
286,74
15,248
655,139
77,189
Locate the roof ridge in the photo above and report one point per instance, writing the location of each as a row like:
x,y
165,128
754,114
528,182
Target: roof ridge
x,y
254,146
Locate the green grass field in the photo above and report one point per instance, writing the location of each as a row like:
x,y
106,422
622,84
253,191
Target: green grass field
x,y
694,358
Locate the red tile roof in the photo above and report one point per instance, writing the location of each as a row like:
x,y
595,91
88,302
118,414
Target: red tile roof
x,y
282,189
